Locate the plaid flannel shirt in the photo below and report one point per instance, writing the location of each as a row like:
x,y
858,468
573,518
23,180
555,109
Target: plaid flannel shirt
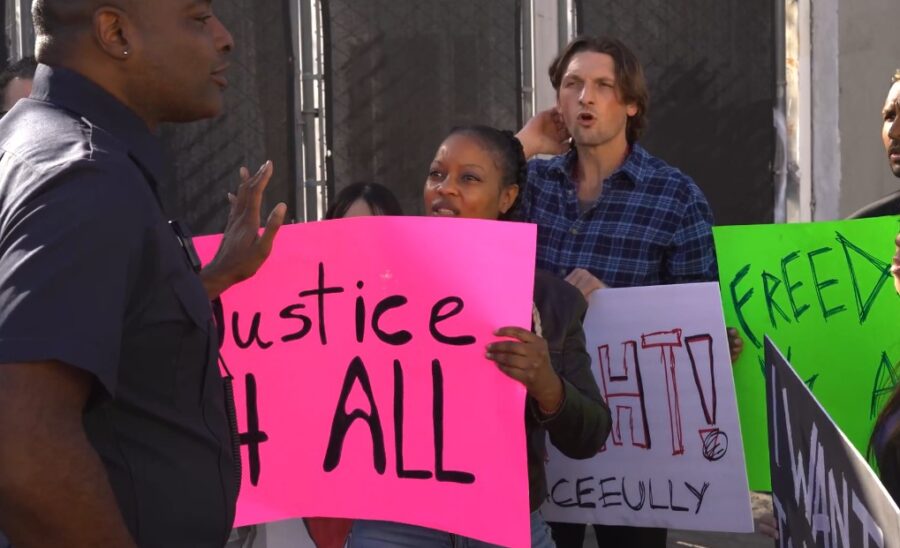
x,y
650,225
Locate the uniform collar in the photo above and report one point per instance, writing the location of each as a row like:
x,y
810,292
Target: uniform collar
x,y
96,106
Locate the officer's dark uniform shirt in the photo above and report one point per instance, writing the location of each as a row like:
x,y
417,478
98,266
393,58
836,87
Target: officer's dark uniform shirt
x,y
888,205
92,275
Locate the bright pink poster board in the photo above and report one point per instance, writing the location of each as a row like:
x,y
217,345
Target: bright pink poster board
x,y
396,283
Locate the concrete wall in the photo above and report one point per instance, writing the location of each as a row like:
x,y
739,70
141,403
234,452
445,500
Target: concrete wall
x,y
824,87
869,52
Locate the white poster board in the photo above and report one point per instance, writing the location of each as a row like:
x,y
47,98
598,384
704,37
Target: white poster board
x,y
675,457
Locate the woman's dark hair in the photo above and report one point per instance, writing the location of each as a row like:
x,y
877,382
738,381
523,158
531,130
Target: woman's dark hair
x,y
509,156
881,437
378,197
630,81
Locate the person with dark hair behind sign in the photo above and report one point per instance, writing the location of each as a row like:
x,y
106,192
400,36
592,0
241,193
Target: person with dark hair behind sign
x,y
362,200
357,200
478,172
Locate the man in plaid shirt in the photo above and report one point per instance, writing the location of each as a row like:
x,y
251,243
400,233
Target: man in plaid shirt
x,y
609,213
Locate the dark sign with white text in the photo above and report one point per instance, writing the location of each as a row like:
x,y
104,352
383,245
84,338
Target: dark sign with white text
x,y
823,492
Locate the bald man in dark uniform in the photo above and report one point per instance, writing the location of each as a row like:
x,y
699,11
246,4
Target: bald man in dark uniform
x,y
114,428
890,136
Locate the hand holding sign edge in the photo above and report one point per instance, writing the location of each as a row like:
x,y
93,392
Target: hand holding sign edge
x,y
527,360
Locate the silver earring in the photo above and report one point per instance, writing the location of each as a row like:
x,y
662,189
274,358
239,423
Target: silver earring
x,y
125,52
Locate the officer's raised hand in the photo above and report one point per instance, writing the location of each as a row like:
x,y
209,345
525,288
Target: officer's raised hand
x,y
243,250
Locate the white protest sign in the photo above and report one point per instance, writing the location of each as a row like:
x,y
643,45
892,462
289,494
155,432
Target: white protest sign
x,y
674,458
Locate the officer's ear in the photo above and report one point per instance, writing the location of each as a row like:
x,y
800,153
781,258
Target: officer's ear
x,y
113,32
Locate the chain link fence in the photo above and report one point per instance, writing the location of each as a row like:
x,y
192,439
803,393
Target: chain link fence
x,y
710,67
257,123
402,73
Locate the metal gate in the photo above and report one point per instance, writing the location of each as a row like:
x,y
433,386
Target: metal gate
x,y
711,71
398,74
401,73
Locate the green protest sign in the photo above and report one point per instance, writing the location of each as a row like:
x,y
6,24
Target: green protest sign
x,y
823,293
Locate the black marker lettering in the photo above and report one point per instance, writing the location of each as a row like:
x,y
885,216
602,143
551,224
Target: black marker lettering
x,y
360,315
356,373
568,503
290,312
454,476
699,494
579,491
398,428
253,436
320,293
253,337
397,338
437,316
654,506
604,494
641,492
672,500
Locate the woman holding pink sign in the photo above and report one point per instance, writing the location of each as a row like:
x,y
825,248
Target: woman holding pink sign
x,y
477,173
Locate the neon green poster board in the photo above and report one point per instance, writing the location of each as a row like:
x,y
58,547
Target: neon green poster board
x,y
823,292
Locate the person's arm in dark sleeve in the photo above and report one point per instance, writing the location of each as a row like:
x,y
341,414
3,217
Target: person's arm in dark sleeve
x,y
581,425
69,257
53,488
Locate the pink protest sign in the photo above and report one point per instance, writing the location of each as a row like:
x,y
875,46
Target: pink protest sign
x,y
361,384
